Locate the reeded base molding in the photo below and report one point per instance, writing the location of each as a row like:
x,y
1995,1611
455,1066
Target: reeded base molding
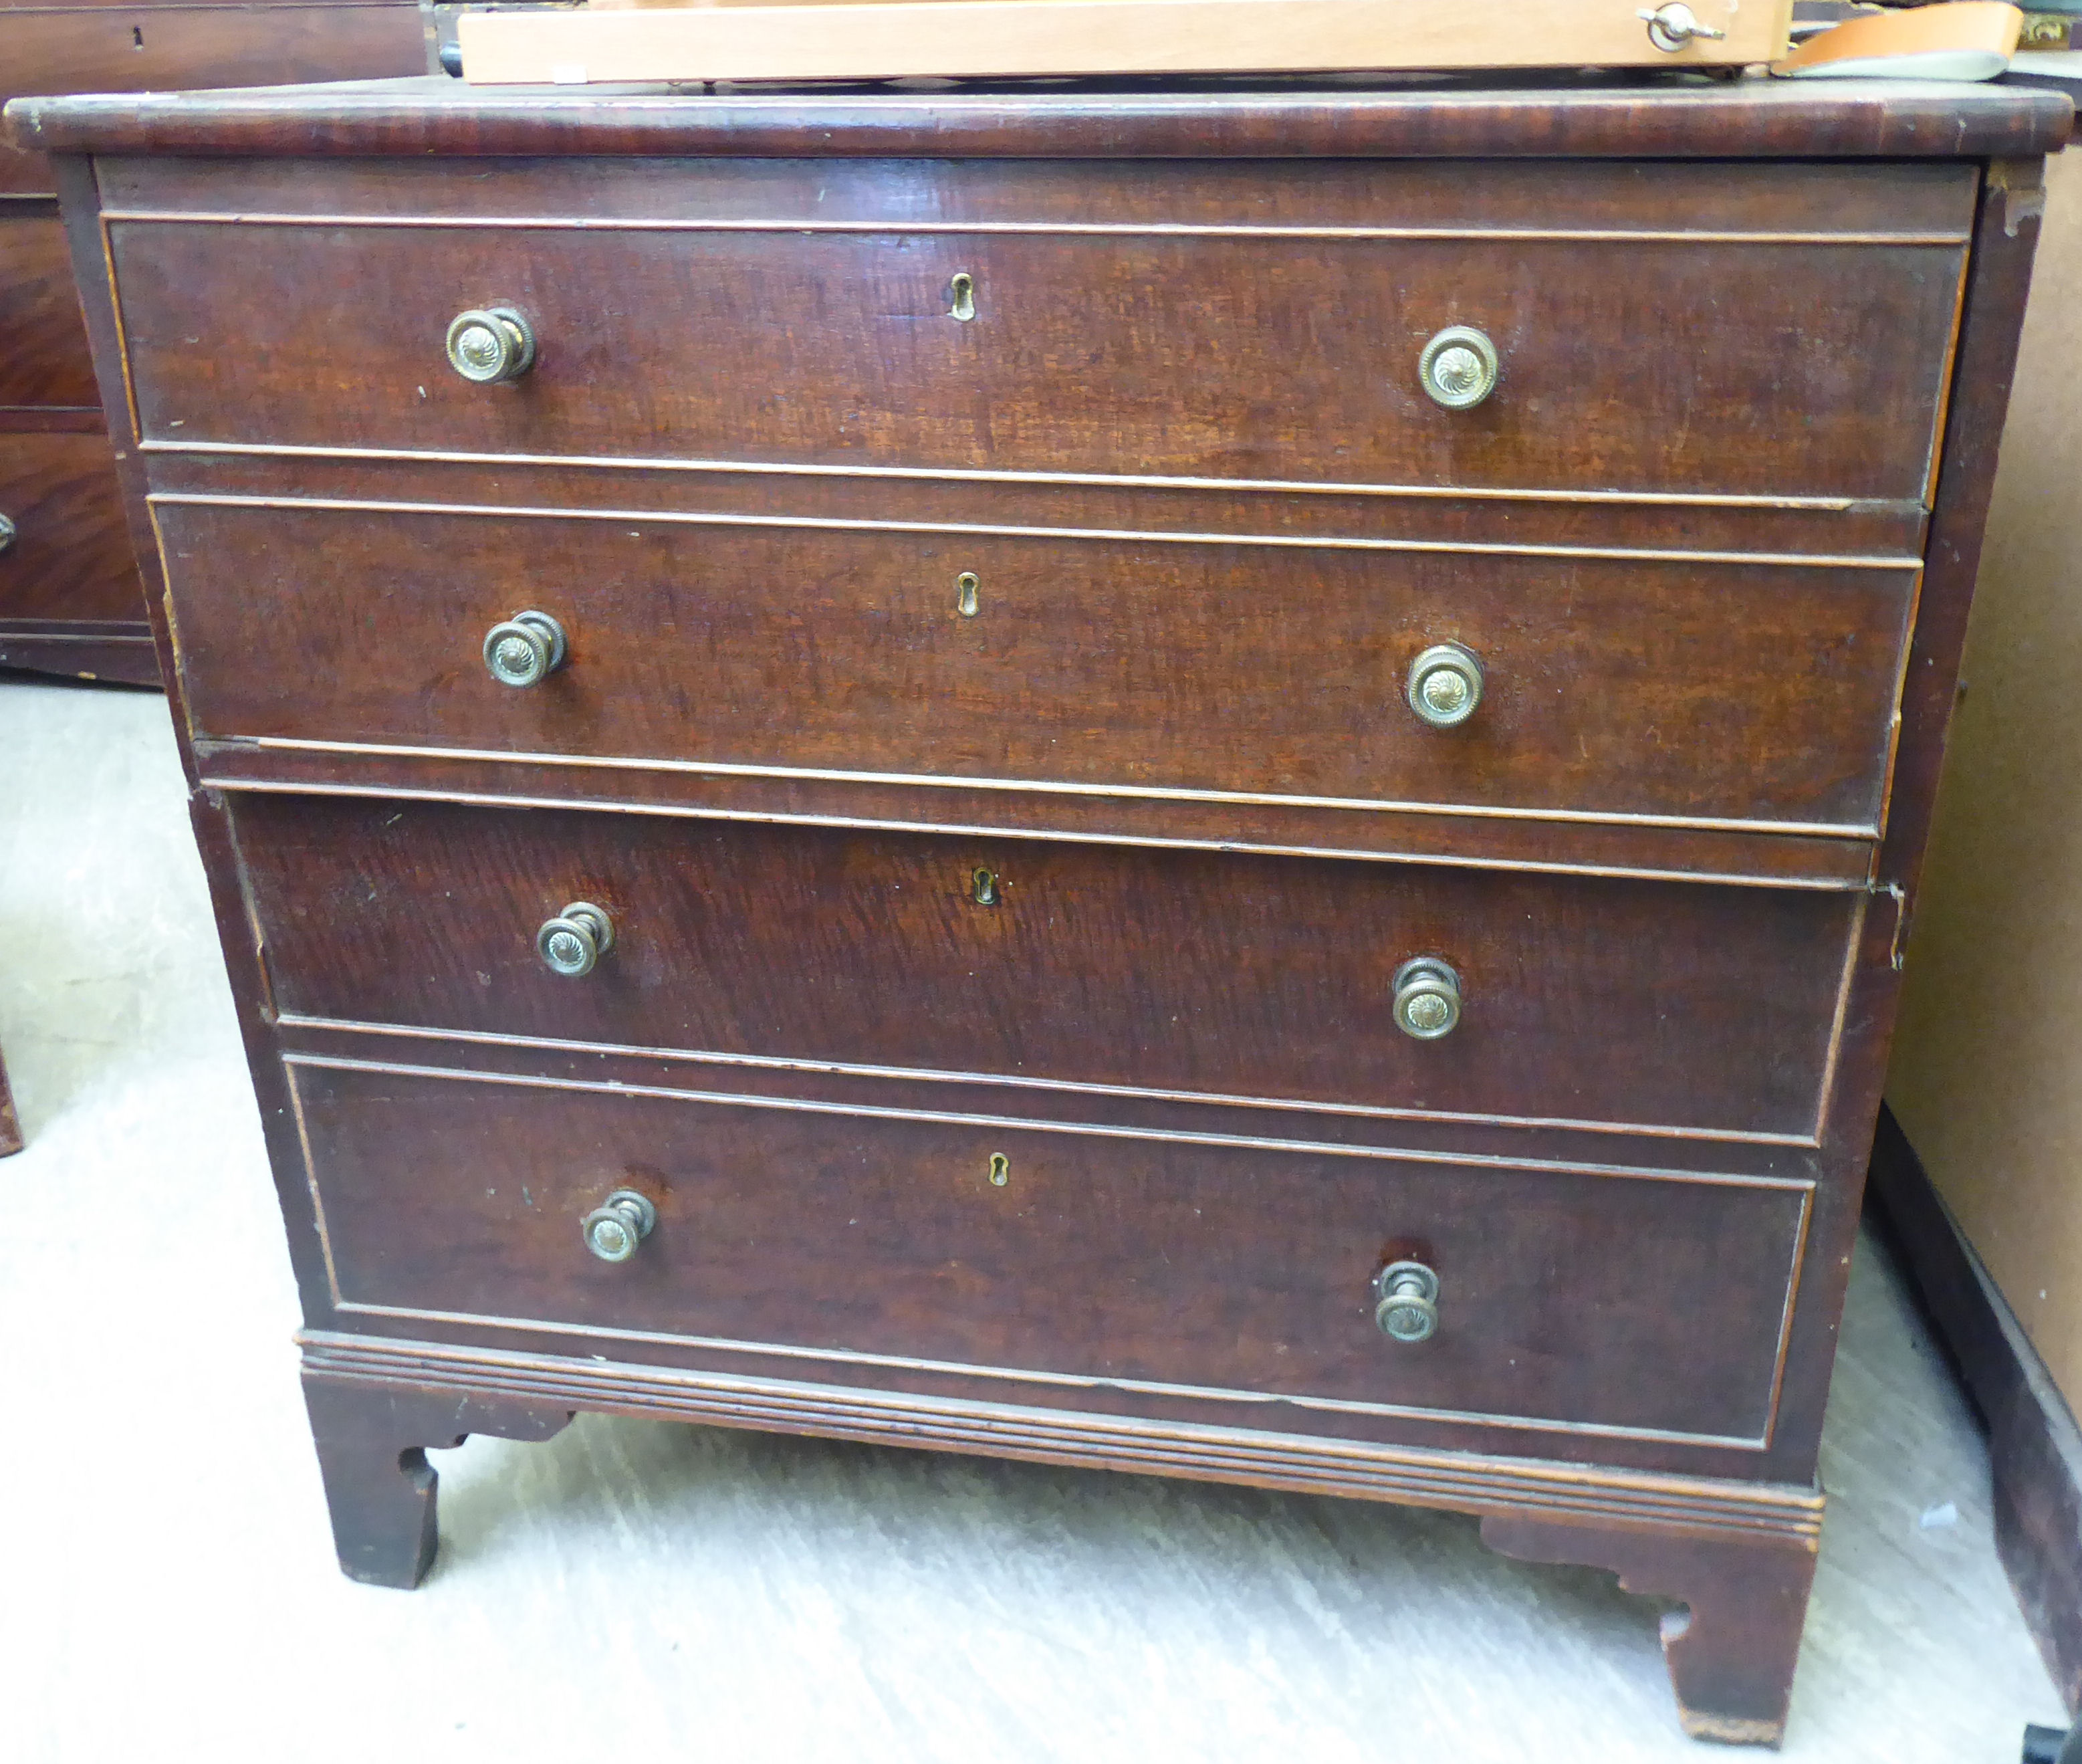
x,y
1740,1556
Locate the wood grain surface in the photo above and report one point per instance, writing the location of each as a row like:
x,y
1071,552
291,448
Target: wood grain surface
x,y
1231,357
1706,690
44,356
100,46
1900,200
1098,1259
1673,1004
71,558
1619,119
903,38
1823,528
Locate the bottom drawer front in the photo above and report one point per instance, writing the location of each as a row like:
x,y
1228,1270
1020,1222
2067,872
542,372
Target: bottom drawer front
x,y
1599,1302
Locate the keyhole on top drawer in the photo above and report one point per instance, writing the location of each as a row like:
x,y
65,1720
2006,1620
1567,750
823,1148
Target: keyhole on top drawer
x,y
1000,1169
962,288
965,585
983,887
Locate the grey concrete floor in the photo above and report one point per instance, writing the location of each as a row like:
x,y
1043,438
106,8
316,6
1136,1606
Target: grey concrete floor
x,y
644,1592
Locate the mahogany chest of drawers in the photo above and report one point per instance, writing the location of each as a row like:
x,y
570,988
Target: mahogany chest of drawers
x,y
1225,785
70,601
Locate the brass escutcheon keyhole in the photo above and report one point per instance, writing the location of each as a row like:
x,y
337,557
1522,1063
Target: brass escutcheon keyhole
x,y
962,288
983,887
965,585
1000,1169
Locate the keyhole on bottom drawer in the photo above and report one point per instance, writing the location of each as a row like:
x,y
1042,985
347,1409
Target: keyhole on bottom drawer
x,y
965,593
983,887
1000,1169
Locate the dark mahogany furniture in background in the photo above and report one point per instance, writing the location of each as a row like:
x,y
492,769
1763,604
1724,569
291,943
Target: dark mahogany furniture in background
x,y
10,1125
70,601
1219,784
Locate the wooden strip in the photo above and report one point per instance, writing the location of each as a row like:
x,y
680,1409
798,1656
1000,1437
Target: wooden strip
x,y
1785,1317
981,529
874,39
1410,1474
1016,1081
310,1170
1024,1124
1984,361
1044,787
51,420
1271,121
969,475
1326,1405
135,428
1099,230
232,782
1851,945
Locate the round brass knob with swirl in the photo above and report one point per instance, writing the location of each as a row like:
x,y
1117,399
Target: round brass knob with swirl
x,y
1427,998
6,533
489,344
1445,685
524,649
1458,368
614,1228
574,940
1406,1301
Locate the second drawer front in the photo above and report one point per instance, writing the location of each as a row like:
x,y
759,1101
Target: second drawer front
x,y
1594,1301
1689,689
1609,1002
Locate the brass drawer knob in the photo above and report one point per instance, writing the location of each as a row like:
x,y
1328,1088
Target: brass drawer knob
x,y
1406,1301
1458,368
6,533
618,1224
574,940
1445,685
490,344
1427,998
524,649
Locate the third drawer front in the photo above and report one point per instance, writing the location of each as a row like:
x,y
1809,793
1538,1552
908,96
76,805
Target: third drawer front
x,y
1673,1005
1682,688
1048,1260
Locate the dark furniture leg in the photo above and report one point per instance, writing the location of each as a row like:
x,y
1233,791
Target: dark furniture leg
x,y
371,1442
1731,1655
10,1126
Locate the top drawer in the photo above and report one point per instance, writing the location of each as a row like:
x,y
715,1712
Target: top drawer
x,y
1663,356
